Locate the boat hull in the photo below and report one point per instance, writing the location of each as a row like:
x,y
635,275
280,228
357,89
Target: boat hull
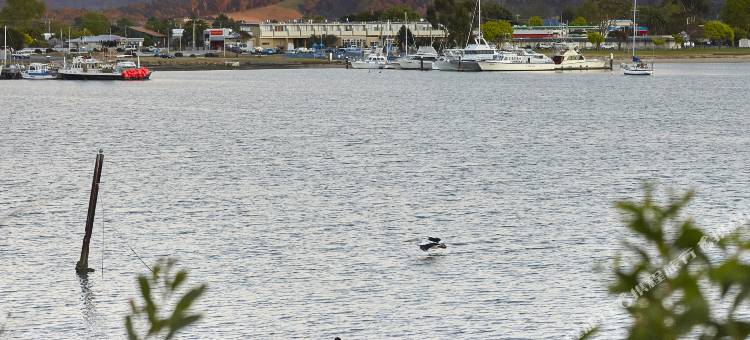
x,y
517,67
38,77
584,65
637,72
424,65
458,66
367,66
96,76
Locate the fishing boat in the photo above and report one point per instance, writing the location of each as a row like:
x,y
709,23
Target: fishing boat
x,y
38,71
87,68
572,59
512,61
637,67
373,61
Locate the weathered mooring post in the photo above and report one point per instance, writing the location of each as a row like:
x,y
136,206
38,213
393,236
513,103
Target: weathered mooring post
x,y
82,266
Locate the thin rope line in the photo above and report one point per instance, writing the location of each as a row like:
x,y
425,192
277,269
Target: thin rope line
x,y
103,221
119,237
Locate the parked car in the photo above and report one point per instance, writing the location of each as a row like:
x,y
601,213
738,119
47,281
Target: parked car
x,y
269,51
608,46
543,46
167,55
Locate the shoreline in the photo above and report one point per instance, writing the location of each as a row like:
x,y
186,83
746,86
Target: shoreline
x,y
176,66
237,63
222,67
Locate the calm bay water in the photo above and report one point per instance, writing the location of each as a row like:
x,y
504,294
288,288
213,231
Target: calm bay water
x,y
299,196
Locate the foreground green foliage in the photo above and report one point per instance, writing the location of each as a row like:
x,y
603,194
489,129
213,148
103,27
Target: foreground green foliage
x,y
158,290
667,292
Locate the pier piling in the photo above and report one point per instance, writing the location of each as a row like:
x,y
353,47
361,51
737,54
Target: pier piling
x,y
82,266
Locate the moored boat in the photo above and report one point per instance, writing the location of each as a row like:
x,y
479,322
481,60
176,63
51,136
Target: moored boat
x,y
572,59
373,61
426,55
511,61
466,59
38,71
83,68
637,67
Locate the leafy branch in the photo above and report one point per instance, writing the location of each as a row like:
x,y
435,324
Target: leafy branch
x,y
158,290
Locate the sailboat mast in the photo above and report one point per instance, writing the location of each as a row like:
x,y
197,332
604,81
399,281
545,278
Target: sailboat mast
x,y
635,27
406,34
480,19
5,48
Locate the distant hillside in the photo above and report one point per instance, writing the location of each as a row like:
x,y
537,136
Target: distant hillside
x,y
278,12
285,9
88,4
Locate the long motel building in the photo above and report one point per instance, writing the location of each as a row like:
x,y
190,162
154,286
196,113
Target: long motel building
x,y
360,34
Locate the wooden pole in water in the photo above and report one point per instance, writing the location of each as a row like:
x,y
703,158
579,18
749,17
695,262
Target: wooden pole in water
x,y
82,266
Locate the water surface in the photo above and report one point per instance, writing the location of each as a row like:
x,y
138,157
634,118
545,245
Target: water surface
x,y
299,196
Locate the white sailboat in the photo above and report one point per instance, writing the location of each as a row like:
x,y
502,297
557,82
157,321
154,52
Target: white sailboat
x,y
637,67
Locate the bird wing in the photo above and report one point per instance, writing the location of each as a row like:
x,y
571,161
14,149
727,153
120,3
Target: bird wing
x,y
434,239
426,247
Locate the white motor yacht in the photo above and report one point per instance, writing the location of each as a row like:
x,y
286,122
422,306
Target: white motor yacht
x,y
533,57
373,61
511,61
571,59
480,50
423,60
473,53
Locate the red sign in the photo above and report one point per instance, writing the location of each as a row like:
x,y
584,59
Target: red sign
x,y
217,32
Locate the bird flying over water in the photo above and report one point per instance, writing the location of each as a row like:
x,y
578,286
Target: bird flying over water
x,y
434,243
